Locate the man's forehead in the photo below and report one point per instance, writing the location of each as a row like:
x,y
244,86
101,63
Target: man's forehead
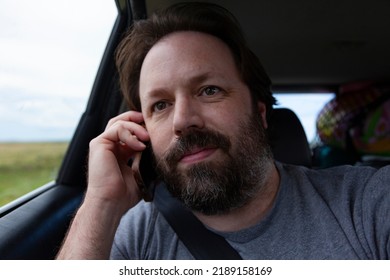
x,y
190,42
195,56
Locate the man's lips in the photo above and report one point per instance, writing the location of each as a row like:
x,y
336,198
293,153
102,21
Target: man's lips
x,y
197,154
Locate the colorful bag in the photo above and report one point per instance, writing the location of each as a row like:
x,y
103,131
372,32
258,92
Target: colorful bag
x,y
358,118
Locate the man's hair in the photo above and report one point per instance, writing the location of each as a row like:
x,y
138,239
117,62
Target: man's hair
x,y
200,17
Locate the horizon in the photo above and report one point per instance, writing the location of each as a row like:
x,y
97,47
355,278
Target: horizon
x,y
304,110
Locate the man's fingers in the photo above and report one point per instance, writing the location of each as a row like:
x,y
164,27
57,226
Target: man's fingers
x,y
129,133
130,116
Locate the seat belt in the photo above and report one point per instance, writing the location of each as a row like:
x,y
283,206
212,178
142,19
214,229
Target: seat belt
x,y
202,243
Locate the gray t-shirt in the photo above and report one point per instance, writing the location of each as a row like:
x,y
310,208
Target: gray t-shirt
x,y
336,213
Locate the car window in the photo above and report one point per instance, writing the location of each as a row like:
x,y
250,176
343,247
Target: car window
x,y
50,53
306,106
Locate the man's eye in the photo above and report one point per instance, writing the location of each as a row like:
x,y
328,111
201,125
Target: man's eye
x,y
159,106
211,90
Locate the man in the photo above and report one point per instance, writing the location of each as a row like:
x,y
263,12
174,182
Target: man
x,y
202,99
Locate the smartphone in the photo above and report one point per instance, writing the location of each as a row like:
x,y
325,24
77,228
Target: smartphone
x,y
144,168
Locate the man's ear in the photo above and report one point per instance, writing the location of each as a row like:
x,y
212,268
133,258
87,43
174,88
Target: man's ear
x,y
263,112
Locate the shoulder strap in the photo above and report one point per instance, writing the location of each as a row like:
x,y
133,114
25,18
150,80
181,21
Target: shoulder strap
x,y
201,242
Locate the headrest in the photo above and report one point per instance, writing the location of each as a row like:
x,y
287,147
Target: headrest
x,y
288,138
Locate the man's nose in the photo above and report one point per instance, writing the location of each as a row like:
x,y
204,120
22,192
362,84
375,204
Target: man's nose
x,y
187,115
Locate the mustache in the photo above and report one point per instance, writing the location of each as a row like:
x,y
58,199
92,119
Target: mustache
x,y
195,138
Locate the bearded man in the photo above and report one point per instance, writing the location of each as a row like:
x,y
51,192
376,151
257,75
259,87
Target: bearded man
x,y
202,99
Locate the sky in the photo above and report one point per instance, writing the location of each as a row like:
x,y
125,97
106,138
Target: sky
x,y
49,55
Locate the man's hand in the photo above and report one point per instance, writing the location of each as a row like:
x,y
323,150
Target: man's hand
x,y
109,176
112,189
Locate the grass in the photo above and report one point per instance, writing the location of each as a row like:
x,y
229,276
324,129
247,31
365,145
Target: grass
x,y
26,166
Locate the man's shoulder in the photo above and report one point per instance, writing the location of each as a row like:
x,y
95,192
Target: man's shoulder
x,y
341,181
143,212
332,173
145,234
356,175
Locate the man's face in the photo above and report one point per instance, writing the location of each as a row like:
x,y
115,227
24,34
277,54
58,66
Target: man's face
x,y
207,136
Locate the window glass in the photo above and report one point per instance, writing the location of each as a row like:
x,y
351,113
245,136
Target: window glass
x,y
50,53
306,106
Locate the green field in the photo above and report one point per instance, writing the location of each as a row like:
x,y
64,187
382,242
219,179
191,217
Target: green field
x,y
26,166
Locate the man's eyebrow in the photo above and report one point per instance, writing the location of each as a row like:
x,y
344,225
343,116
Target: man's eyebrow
x,y
200,78
194,80
214,76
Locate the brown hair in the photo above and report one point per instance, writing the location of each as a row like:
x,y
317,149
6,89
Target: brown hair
x,y
201,17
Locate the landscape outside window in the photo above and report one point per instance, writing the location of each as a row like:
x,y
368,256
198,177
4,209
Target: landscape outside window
x,y
50,52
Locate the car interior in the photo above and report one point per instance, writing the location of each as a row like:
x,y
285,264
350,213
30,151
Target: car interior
x,y
305,46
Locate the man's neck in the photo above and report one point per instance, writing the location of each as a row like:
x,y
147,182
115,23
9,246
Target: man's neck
x,y
251,213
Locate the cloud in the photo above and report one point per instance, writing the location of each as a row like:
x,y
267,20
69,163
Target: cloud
x,y
49,55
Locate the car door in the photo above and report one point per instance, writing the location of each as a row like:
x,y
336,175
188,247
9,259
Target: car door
x,y
34,226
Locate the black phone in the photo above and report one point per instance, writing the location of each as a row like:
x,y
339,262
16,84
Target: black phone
x,y
144,168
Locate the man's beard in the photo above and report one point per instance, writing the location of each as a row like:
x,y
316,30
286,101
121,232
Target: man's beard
x,y
217,187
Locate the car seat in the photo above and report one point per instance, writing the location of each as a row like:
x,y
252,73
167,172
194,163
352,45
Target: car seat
x,y
288,138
